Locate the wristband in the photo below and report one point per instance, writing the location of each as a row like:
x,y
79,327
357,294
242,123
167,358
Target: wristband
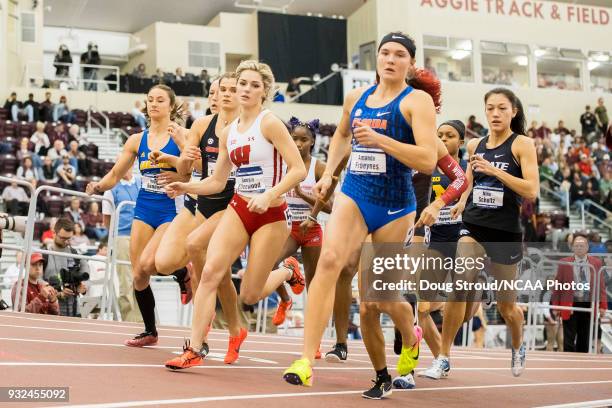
x,y
311,218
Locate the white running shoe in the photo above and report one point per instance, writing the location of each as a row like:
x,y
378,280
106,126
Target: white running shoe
x,y
404,382
440,367
518,360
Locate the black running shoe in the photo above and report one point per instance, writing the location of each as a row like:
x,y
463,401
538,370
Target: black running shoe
x,y
397,343
382,388
338,354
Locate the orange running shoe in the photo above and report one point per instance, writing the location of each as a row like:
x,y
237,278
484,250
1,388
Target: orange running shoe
x,y
296,282
281,312
142,340
233,349
189,358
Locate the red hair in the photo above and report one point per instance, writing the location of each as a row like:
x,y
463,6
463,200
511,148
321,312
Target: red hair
x,y
428,82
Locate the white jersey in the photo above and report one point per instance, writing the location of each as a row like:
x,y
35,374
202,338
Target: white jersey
x,y
258,165
300,208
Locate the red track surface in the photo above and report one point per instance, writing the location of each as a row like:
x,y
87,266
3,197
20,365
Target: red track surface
x,y
89,357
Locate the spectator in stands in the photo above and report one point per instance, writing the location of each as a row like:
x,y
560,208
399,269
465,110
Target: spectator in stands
x,y
16,199
543,131
74,212
28,172
474,126
588,122
158,76
90,74
49,235
45,109
586,165
75,155
197,111
94,222
11,273
31,102
293,88
40,139
205,78
41,298
74,134
591,192
140,71
577,191
126,190
62,62
584,270
24,149
16,108
138,115
534,128
97,268
548,168
66,173
601,114
61,111
179,75
543,227
48,170
429,66
79,238
561,129
57,152
605,184
64,230
528,219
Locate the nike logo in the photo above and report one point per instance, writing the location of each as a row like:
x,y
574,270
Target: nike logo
x,y
379,114
394,212
514,256
497,156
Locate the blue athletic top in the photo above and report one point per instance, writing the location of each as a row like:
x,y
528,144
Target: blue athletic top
x,y
372,175
150,190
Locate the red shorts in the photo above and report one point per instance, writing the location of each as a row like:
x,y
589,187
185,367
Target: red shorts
x,y
253,221
312,238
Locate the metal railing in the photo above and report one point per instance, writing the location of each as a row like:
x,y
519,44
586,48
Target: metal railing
x,y
75,79
555,193
105,128
312,88
585,213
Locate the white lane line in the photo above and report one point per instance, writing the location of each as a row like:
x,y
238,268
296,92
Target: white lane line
x,y
583,404
128,404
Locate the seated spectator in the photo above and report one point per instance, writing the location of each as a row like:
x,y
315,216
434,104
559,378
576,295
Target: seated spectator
x,y
600,150
79,238
47,236
45,109
158,76
16,199
31,102
41,298
179,75
548,168
61,111
543,227
605,184
74,212
94,222
534,128
75,155
140,71
577,191
561,129
24,149
61,132
74,133
197,111
543,131
138,115
57,152
16,108
97,268
293,88
591,193
48,170
28,172
66,173
40,140
586,165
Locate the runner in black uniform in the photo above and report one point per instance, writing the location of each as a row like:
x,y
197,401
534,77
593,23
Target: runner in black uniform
x,y
503,168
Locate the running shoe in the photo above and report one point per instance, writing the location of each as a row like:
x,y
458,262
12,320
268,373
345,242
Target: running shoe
x,y
404,382
281,312
296,282
300,373
440,367
518,360
233,350
397,342
142,340
189,358
338,354
382,388
183,278
409,358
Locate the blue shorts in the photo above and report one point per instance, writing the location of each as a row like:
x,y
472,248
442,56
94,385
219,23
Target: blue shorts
x,y
154,215
376,216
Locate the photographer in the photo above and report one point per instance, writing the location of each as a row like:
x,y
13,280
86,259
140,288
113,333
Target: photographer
x,y
41,297
90,74
66,275
61,62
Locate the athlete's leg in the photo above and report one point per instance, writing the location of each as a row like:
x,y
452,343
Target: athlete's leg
x,y
147,258
290,248
430,331
172,251
506,305
344,298
310,257
197,242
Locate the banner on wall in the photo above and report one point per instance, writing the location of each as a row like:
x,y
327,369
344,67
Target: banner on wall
x,y
355,78
531,9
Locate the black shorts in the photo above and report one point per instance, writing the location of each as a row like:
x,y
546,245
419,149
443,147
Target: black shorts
x,y
443,238
210,206
191,204
503,247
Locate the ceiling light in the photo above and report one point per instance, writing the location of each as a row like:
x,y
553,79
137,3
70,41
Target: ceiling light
x,y
601,58
593,64
522,61
309,14
459,54
539,53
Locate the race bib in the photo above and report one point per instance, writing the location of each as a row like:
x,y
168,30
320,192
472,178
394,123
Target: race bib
x,y
211,167
368,161
299,212
250,179
488,197
444,217
149,183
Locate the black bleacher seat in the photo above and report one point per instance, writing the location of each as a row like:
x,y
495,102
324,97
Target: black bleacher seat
x,y
4,114
10,129
55,205
8,164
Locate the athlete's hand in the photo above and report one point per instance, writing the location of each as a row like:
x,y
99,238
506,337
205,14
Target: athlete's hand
x,y
191,153
366,136
320,189
154,156
167,177
260,203
178,134
480,164
429,215
93,188
175,189
306,225
457,210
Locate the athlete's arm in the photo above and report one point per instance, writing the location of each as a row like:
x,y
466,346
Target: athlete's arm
x,y
311,199
123,164
418,109
187,159
469,179
527,187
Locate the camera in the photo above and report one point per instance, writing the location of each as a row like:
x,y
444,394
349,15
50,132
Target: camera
x,y
70,278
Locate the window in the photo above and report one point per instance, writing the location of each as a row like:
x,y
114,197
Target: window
x,y
505,64
28,27
449,58
204,54
600,69
560,69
